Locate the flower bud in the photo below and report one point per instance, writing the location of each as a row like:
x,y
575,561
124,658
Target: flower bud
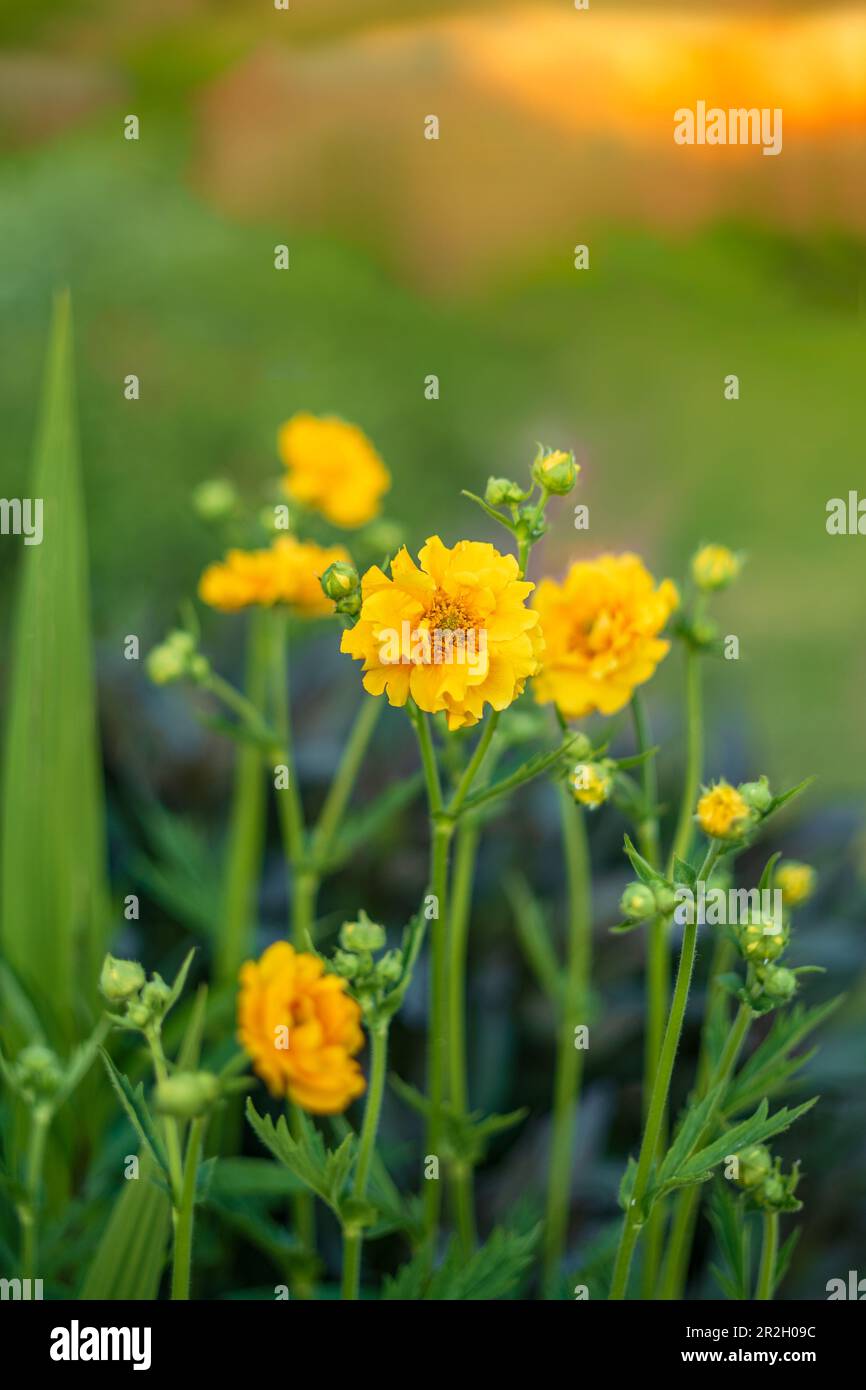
x,y
187,1094
362,935
757,795
215,499
345,963
38,1073
155,995
723,814
555,471
502,492
773,1191
390,968
715,567
755,1165
777,982
796,882
638,902
171,660
756,943
339,580
665,897
120,979
591,784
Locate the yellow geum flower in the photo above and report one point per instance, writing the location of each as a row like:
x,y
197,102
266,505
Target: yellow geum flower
x,y
722,813
797,882
453,634
287,572
715,566
333,468
600,630
301,1029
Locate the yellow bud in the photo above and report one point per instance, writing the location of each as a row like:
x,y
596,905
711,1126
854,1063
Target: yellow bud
x,y
715,567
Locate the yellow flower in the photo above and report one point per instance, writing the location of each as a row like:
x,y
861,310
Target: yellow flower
x,y
454,634
591,784
601,629
797,882
714,567
287,572
333,468
722,812
301,1029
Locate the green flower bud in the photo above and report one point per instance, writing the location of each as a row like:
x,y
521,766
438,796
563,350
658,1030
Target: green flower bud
x,y
215,499
165,665
777,982
773,1191
187,1094
339,580
665,897
715,567
345,963
755,1165
38,1073
756,795
638,902
156,995
120,979
502,492
556,471
758,944
390,967
580,747
362,935
138,1015
198,668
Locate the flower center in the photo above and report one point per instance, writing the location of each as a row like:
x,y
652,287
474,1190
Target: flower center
x,y
448,613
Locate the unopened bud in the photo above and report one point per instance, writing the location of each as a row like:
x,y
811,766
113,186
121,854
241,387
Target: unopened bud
x,y
556,471
187,1094
120,979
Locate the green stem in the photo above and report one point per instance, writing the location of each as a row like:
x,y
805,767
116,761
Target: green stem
x,y
341,787
291,814
686,1206
28,1211
353,1236
658,973
171,1132
437,1037
634,1217
182,1263
694,758
569,1060
474,764
468,837
246,831
769,1255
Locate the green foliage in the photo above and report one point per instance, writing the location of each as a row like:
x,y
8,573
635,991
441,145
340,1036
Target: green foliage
x,y
137,1112
493,1271
130,1258
53,891
771,1067
324,1171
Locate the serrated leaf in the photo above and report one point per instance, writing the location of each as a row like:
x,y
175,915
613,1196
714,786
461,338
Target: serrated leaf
x,y
492,1272
324,1171
755,1130
770,1067
137,1113
642,867
684,872
688,1135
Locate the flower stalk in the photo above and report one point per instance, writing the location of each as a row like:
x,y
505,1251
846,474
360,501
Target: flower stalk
x,y
353,1234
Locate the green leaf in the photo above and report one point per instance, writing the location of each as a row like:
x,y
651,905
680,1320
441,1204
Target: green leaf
x,y
783,1259
137,1113
359,829
642,867
53,891
253,1177
131,1255
728,1220
492,1272
684,873
688,1135
626,1186
766,879
324,1171
755,1130
464,1137
533,935
179,982
779,801
771,1067
527,771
